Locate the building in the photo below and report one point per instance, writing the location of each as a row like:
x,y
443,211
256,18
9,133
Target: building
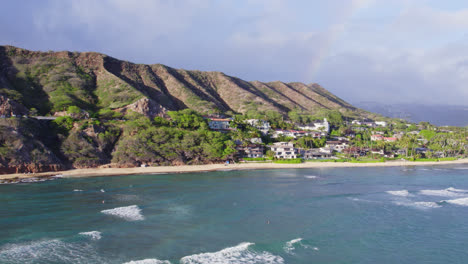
x,y
219,123
292,133
381,123
317,153
390,139
376,137
316,126
251,151
284,150
262,125
355,151
336,145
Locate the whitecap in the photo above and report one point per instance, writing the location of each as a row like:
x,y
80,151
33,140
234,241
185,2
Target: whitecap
x,y
460,201
234,255
449,192
94,235
419,205
129,213
289,247
148,261
403,193
102,190
311,177
77,190
49,251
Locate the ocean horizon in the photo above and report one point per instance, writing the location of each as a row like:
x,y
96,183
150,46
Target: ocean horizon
x,y
320,215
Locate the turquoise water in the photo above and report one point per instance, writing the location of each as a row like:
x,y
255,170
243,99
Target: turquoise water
x,y
345,215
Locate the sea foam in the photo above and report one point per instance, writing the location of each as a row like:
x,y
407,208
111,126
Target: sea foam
x,y
311,177
290,245
129,213
94,235
419,205
148,261
449,192
460,201
49,251
234,255
403,193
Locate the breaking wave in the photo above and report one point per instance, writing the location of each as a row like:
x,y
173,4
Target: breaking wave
x,y
129,213
419,205
449,192
311,177
403,193
234,255
460,201
94,235
290,245
49,251
148,261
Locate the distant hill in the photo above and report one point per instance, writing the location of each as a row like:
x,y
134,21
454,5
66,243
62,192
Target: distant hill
x,y
52,81
441,115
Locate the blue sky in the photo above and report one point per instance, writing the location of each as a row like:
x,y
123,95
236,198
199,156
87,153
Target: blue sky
x,y
361,50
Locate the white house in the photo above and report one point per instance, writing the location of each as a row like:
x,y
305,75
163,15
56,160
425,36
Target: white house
x,y
262,125
284,150
337,145
219,123
381,123
316,126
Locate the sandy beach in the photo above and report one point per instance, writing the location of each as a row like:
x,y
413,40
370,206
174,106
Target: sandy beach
x,y
220,167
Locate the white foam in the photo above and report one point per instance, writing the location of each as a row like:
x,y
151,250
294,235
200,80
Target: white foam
x,y
102,190
94,235
460,201
233,255
403,193
77,190
130,213
49,251
148,261
419,205
311,177
289,247
449,192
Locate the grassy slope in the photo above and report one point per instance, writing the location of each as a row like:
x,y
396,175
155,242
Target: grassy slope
x,y
51,81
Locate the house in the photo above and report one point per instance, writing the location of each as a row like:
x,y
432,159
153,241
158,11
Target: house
x,y
251,151
379,133
356,122
336,145
377,151
219,123
381,123
317,153
291,133
284,150
316,126
390,139
355,151
376,137
256,140
262,125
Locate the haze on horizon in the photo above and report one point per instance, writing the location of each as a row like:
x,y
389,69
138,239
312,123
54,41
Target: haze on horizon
x,y
395,51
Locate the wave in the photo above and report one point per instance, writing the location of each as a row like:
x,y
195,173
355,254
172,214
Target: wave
x,y
233,255
49,251
460,201
311,177
148,261
289,247
77,190
129,213
94,235
102,190
403,193
449,192
419,205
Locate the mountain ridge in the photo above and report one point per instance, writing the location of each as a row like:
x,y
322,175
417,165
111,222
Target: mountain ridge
x,y
95,81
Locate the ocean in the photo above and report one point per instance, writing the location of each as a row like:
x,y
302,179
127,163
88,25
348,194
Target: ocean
x,y
330,215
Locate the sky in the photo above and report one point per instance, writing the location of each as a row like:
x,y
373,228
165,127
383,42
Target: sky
x,y
389,51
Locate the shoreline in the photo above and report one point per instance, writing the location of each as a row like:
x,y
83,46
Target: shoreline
x,y
97,172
